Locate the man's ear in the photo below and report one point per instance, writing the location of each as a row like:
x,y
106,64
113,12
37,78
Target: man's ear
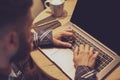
x,y
11,40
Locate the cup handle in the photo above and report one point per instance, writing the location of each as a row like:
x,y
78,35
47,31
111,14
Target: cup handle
x,y
46,3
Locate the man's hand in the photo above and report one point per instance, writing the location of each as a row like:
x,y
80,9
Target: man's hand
x,y
84,55
60,32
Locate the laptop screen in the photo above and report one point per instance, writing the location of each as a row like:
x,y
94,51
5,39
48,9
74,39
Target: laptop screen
x,y
101,19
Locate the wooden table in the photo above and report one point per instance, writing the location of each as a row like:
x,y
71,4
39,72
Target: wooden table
x,y
44,63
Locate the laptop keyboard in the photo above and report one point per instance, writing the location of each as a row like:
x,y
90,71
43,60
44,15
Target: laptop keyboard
x,y
102,60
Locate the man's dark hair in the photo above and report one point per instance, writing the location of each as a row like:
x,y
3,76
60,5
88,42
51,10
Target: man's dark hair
x,y
12,10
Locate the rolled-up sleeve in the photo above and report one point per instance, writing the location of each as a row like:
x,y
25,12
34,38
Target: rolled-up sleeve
x,y
43,38
85,73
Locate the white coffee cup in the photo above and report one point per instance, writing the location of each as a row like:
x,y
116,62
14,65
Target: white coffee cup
x,y
56,6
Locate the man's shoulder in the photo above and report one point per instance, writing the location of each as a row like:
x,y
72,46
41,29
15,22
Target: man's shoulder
x,y
3,77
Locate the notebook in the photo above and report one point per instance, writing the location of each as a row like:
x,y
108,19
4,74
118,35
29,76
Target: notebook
x,y
49,22
95,23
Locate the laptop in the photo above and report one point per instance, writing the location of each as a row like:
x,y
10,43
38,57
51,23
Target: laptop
x,y
96,23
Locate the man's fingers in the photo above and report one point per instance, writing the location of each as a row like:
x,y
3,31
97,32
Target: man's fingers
x,y
91,51
86,48
93,59
81,48
69,30
95,54
76,51
68,34
63,44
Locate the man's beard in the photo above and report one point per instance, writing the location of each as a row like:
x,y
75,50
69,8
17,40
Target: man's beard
x,y
23,51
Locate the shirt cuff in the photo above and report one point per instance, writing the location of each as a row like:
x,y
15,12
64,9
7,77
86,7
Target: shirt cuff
x,y
85,73
43,39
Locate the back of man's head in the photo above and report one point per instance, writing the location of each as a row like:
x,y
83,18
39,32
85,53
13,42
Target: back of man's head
x,y
12,10
14,30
